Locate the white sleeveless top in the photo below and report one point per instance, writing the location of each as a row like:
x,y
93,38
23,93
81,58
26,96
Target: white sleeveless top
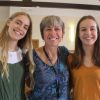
x,y
14,57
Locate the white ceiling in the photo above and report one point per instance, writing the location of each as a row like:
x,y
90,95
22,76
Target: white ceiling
x,y
91,2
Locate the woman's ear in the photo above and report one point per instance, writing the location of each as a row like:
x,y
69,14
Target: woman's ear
x,y
62,35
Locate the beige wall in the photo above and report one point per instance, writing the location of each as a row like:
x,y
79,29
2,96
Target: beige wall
x,y
4,14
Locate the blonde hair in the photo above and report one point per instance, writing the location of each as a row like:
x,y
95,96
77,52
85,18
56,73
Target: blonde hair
x,y
25,44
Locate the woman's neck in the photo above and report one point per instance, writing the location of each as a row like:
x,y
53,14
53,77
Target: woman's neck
x,y
52,51
13,46
51,54
88,50
88,57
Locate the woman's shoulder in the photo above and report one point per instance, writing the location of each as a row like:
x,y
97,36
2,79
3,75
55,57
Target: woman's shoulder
x,y
70,58
38,51
64,50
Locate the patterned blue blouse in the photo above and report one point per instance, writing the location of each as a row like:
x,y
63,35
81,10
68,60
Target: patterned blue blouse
x,y
51,83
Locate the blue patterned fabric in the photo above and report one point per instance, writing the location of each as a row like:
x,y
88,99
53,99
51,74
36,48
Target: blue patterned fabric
x,y
51,83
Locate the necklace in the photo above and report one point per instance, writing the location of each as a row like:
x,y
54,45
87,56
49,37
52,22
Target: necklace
x,y
49,60
53,69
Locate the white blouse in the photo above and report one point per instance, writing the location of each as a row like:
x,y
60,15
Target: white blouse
x,y
14,57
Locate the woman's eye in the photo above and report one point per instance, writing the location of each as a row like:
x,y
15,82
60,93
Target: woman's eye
x,y
57,29
48,29
93,28
26,28
83,29
18,23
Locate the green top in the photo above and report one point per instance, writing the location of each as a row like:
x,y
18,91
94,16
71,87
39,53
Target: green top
x,y
13,87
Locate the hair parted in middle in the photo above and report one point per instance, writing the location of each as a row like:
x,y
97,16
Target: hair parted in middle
x,y
25,43
79,51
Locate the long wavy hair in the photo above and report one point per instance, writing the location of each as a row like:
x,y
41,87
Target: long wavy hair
x,y
79,52
25,44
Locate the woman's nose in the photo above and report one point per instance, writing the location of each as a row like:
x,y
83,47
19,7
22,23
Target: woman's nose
x,y
53,31
21,27
88,32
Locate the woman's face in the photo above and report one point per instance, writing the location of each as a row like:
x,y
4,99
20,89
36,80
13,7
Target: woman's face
x,y
53,35
88,32
18,27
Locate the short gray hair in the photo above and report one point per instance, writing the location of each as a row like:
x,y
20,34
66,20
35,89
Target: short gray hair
x,y
49,21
